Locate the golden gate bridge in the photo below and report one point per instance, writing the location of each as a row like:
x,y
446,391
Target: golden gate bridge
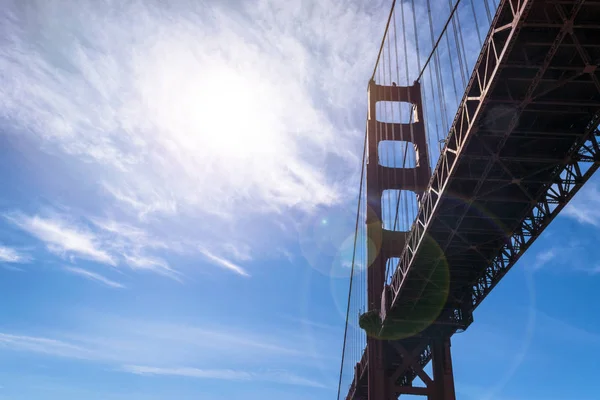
x,y
468,157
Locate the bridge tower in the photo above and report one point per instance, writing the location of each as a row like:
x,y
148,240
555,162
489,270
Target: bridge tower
x,y
391,360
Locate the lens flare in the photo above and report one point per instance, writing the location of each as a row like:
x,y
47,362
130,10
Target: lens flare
x,y
327,241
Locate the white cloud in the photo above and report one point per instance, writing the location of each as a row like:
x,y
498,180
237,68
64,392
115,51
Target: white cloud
x,y
154,264
585,207
222,262
239,251
573,256
124,231
154,204
230,375
159,348
62,237
11,255
94,276
117,243
209,110
543,258
189,372
44,345
210,113
111,242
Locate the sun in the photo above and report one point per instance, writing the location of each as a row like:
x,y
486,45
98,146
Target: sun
x,y
232,115
212,109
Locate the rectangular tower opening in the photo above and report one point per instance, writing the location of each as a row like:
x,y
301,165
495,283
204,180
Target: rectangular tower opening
x,y
398,209
394,111
396,154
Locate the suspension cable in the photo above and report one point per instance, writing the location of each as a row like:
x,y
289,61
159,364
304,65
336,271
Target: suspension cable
x,y
456,24
389,83
438,40
362,173
399,197
487,11
476,22
387,26
450,59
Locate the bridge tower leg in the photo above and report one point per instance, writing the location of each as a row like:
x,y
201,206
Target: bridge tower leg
x,y
443,378
385,372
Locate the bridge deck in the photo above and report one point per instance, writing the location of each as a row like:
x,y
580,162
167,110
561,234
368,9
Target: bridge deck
x,y
524,118
523,142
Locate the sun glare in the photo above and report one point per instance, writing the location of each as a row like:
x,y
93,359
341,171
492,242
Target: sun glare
x,y
233,115
212,110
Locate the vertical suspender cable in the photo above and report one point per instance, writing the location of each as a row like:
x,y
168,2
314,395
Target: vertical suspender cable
x,y
463,66
405,144
434,48
442,97
398,194
387,25
487,11
462,43
453,74
435,56
391,106
476,22
419,65
362,172
412,132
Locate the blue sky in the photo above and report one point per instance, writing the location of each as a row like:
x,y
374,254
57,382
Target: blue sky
x,y
178,183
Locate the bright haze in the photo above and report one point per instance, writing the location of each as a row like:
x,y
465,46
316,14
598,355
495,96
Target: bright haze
x,y
178,182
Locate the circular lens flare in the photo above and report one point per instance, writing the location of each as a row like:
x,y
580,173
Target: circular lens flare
x,y
327,241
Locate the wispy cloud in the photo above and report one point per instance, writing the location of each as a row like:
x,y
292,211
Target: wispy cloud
x,y
155,203
62,238
226,374
594,270
543,258
93,276
585,207
144,118
123,231
222,262
154,264
559,330
567,257
110,243
151,112
107,241
44,345
157,348
12,255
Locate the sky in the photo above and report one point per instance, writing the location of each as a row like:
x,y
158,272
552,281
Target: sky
x,y
171,175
